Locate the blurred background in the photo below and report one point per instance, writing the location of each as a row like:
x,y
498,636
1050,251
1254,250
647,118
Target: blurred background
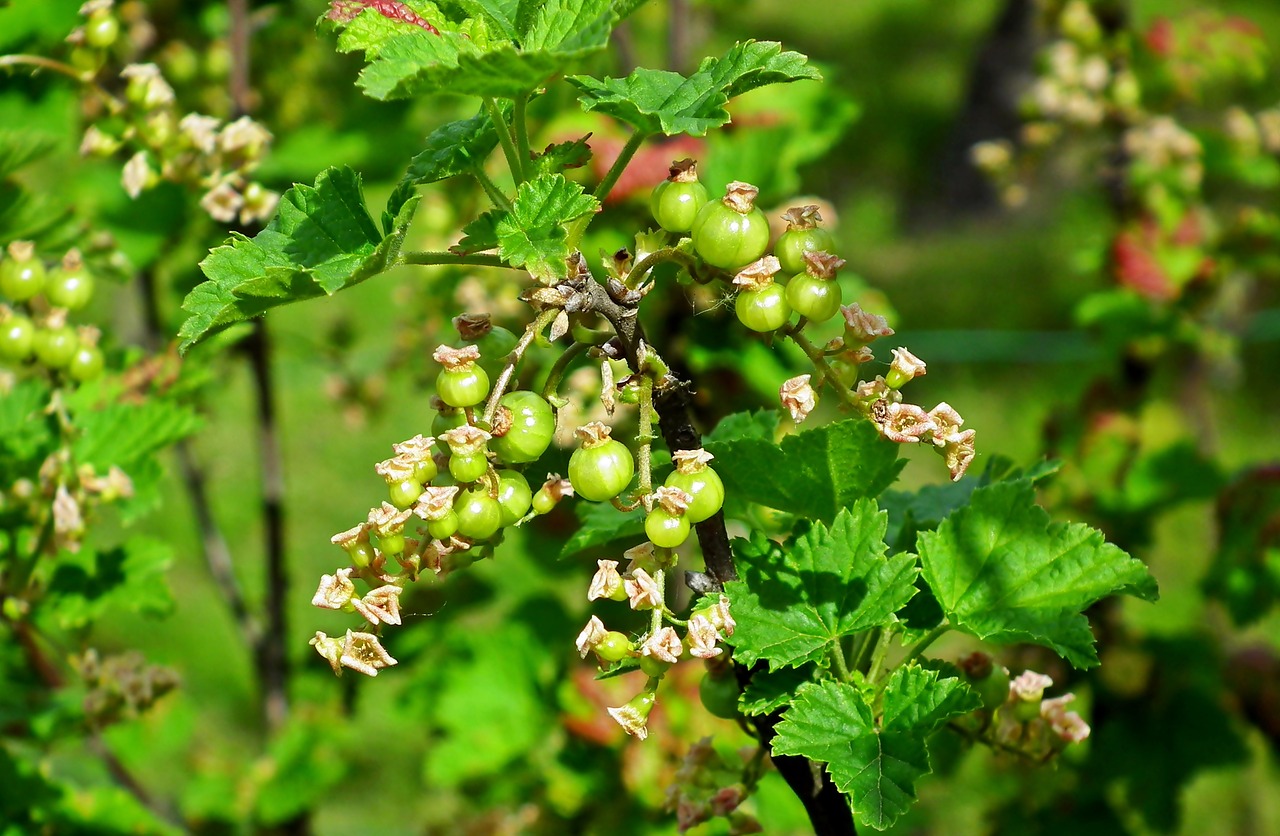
x,y
1077,294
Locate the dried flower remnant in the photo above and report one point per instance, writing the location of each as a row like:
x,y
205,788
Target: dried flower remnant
x,y
363,652
330,648
664,644
380,605
798,397
703,638
591,636
606,583
643,591
336,591
904,423
863,327
634,716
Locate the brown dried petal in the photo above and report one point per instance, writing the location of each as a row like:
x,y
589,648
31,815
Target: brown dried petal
x,y
456,358
416,449
590,636
672,500
593,434
740,196
606,581
703,638
758,274
904,423
355,534
335,591
394,470
436,501
683,171
363,652
631,719
691,461
643,591
663,644
798,397
465,440
330,649
380,605
863,327
802,217
388,519
472,327
947,423
822,265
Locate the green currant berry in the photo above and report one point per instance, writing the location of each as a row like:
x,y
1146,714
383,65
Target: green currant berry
x,y
720,695
467,468
514,496
818,299
676,201
69,289
391,543
21,279
763,310
361,552
55,347
479,515
706,489
732,232
653,666
443,528
1024,711
795,242
404,493
543,502
666,530
445,420
425,470
601,468
17,338
614,647
532,426
993,689
101,29
464,386
86,364
494,347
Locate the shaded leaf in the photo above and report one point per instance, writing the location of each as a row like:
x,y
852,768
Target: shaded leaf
x,y
814,473
129,577
601,524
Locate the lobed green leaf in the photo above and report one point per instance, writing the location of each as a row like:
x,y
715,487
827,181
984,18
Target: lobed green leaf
x,y
793,603
662,102
321,240
532,235
1002,571
813,473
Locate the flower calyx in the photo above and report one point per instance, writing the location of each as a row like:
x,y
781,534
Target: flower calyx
x,y
758,274
456,358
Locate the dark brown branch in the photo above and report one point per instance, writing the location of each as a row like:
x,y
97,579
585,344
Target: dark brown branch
x,y
828,810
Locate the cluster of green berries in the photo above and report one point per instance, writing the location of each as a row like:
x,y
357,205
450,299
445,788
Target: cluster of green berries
x,y
33,320
732,234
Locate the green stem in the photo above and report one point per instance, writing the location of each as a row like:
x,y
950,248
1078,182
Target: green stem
x,y
85,78
866,643
491,189
825,373
530,334
561,365
929,638
520,120
430,257
606,185
660,581
878,655
504,137
645,457
842,667
653,259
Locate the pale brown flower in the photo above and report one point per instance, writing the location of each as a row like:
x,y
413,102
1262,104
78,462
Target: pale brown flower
x,y
798,397
363,652
606,583
330,649
336,591
663,644
590,636
703,638
380,605
643,591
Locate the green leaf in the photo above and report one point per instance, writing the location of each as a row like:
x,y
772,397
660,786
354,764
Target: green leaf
x,y
23,430
560,156
814,473
532,235
452,149
658,101
761,424
321,240
875,765
769,691
491,55
130,577
832,723
920,699
1002,571
481,234
794,603
125,434
19,147
601,524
